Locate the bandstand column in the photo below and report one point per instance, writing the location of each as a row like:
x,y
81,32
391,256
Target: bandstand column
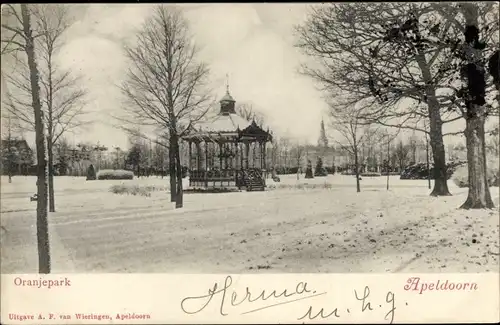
x,y
264,156
220,155
230,159
242,153
206,155
247,152
236,145
254,146
226,158
198,156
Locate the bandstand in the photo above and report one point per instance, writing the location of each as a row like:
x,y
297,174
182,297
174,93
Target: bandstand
x,y
227,152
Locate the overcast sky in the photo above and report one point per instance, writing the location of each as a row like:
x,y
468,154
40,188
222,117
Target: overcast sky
x,y
252,43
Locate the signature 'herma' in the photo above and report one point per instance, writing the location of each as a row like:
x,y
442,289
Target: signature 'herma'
x,y
231,298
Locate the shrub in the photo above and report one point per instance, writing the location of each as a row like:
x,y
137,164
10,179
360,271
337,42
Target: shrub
x,y
370,174
461,174
134,189
105,174
91,175
309,172
320,170
420,171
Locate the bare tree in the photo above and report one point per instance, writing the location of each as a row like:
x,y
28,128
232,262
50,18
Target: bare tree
x,y
10,154
62,94
274,153
248,112
401,153
284,145
298,153
17,35
348,122
389,52
165,86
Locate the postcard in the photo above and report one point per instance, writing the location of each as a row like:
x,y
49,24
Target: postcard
x,y
250,163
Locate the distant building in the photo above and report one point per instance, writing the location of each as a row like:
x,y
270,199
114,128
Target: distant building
x,y
24,160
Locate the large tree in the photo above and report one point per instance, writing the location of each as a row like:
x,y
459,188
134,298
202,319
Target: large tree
x,y
62,94
399,54
474,21
165,85
18,36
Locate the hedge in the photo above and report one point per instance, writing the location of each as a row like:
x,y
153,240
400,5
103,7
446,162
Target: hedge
x,y
420,170
105,174
371,174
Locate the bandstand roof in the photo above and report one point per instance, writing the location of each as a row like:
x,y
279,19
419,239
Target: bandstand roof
x,y
224,123
227,125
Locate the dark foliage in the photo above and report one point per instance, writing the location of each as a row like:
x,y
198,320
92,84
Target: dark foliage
x,y
309,171
320,171
91,174
420,171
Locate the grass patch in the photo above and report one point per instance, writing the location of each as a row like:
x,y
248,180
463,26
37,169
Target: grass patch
x,y
134,189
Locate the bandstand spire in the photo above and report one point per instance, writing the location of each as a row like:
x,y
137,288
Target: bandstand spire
x,y
227,102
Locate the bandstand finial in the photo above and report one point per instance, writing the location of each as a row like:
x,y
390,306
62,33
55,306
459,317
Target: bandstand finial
x,y
227,83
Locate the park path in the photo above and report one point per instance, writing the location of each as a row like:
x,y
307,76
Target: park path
x,y
276,231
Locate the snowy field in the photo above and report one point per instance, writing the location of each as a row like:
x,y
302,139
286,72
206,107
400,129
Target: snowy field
x,y
312,228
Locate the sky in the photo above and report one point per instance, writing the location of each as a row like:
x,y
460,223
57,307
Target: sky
x,y
251,43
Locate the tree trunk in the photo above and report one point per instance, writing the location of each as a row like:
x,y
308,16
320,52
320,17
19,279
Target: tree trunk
x,y
427,160
178,169
172,173
436,132
473,69
479,196
52,204
41,205
356,169
438,152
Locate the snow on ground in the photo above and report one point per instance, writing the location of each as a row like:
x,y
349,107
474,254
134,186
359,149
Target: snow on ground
x,y
312,229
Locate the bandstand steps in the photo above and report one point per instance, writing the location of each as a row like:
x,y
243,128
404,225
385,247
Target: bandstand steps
x,y
256,184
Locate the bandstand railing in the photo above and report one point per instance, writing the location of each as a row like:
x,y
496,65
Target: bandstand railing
x,y
249,178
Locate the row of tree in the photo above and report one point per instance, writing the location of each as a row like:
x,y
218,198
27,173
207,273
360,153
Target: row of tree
x,y
410,65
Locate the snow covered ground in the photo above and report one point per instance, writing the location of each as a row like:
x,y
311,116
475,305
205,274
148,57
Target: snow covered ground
x,y
312,228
